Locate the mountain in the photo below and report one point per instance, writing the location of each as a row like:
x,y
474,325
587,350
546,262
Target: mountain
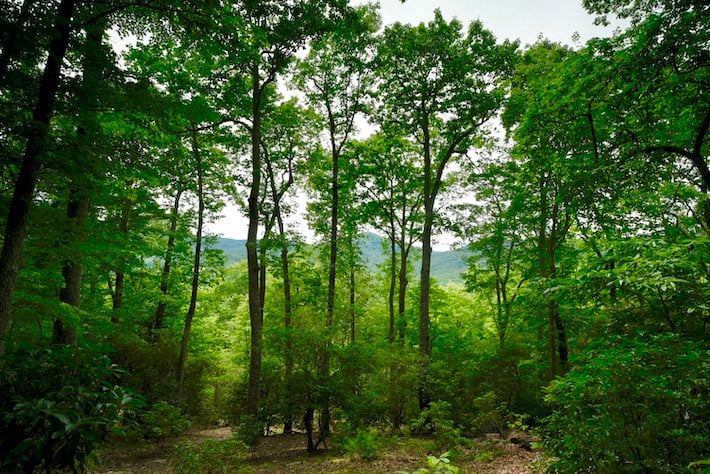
x,y
446,266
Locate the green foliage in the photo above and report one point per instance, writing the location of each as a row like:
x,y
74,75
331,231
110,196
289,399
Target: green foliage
x,y
248,431
56,406
163,420
209,456
491,415
632,404
437,420
437,465
363,443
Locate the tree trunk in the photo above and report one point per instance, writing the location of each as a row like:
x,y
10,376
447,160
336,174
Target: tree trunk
x,y
308,422
117,294
77,213
255,310
78,205
159,318
352,304
393,282
16,223
288,323
402,295
335,197
424,395
196,268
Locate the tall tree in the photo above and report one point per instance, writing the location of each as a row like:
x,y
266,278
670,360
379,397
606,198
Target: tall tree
x,y
336,77
288,139
441,86
391,185
16,224
272,44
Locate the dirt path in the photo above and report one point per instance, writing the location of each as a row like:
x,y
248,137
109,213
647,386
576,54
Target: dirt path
x,y
286,454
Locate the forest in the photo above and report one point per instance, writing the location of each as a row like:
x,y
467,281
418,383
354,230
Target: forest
x,y
575,181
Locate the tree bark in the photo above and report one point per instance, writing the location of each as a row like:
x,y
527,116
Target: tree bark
x,y
402,291
16,223
78,205
196,268
352,303
393,282
255,310
159,318
77,213
120,271
425,275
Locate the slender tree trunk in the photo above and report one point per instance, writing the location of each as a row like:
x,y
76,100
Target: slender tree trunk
x,y
499,314
393,282
159,318
352,304
308,422
16,223
255,310
424,395
120,283
335,197
402,295
196,268
276,195
78,205
288,320
77,213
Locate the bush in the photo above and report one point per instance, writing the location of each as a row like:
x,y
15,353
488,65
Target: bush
x,y
209,456
437,420
491,415
363,443
436,465
632,405
162,421
248,430
56,406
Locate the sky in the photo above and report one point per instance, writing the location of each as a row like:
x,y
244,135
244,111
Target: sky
x,y
526,20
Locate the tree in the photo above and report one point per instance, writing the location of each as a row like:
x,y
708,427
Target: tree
x,y
288,139
391,181
441,87
659,103
336,78
93,65
496,232
16,224
275,41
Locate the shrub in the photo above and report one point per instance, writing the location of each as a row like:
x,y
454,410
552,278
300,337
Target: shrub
x,y
209,456
162,421
248,430
437,420
491,416
632,405
436,465
363,443
56,406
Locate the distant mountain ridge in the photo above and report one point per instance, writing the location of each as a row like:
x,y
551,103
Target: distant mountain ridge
x,y
446,267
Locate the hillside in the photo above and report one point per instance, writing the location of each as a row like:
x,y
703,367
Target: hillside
x,y
446,267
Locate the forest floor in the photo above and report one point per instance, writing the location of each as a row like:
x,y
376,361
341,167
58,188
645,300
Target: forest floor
x,y
287,454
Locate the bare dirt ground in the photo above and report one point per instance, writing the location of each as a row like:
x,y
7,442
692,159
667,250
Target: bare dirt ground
x,y
287,454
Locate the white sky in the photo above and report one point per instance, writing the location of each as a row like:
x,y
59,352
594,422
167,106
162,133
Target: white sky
x,y
557,20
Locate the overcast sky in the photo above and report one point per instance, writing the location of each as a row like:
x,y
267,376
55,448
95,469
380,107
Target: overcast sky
x,y
557,20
